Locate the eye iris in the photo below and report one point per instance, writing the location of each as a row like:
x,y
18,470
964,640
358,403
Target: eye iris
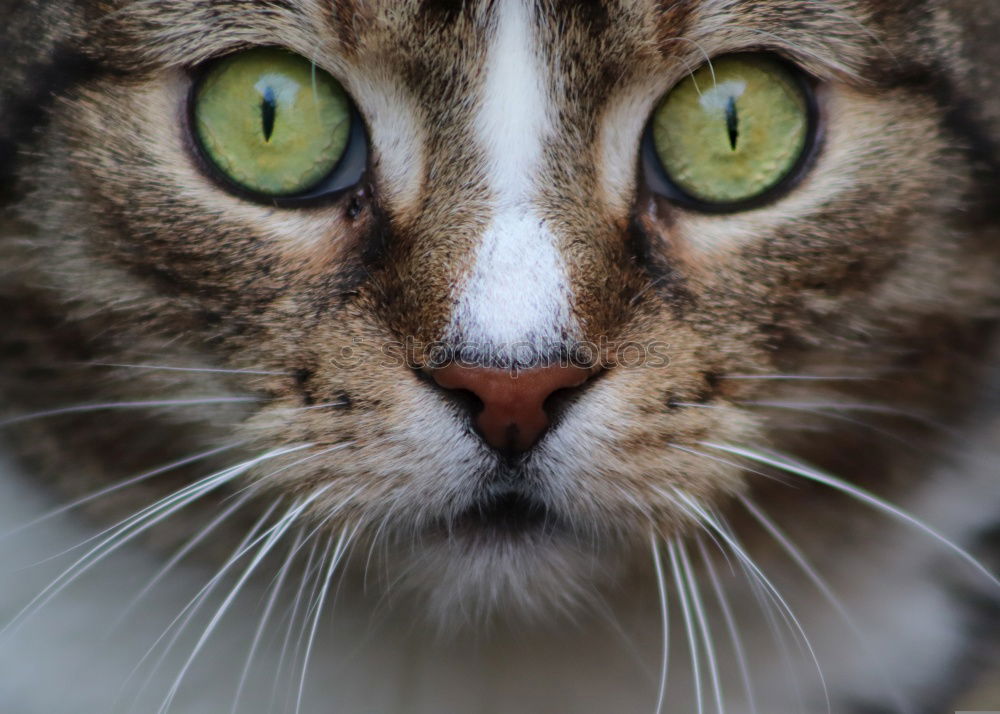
x,y
271,121
732,131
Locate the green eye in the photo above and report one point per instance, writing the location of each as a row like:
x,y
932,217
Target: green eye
x,y
271,121
734,130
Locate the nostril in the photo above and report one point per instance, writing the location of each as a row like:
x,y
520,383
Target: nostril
x,y
510,407
465,399
561,400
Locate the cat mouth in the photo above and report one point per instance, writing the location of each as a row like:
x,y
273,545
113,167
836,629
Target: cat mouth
x,y
505,515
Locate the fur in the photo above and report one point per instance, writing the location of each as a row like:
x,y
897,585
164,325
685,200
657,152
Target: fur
x,y
849,324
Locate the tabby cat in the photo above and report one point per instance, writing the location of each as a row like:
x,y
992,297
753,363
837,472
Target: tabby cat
x,y
498,355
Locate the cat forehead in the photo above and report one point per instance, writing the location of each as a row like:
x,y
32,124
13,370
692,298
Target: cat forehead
x,y
424,38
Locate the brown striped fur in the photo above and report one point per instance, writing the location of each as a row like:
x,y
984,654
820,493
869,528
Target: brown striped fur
x,y
882,262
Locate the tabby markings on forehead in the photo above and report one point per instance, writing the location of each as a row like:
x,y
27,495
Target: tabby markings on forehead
x,y
518,288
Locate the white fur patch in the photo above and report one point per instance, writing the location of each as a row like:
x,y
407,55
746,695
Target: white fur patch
x,y
392,114
518,288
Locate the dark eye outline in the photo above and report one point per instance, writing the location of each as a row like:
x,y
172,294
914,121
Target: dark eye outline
x,y
659,182
347,174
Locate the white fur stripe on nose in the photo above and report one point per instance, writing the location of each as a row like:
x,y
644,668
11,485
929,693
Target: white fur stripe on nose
x,y
518,288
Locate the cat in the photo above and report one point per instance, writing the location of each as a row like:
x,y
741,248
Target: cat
x,y
496,356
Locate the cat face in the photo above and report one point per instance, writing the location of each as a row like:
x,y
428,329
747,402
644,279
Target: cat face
x,y
512,210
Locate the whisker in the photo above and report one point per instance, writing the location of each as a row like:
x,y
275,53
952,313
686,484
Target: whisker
x,y
209,481
661,587
297,462
172,368
314,407
338,553
703,626
772,613
832,410
384,522
183,618
731,627
861,495
307,570
838,406
705,55
844,418
727,462
108,406
310,603
800,49
769,588
273,535
652,284
800,377
769,607
120,486
272,600
821,584
675,565
143,521
181,553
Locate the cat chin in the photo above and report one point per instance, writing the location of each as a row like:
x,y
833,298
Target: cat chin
x,y
466,581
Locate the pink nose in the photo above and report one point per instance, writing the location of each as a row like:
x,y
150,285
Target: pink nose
x,y
513,416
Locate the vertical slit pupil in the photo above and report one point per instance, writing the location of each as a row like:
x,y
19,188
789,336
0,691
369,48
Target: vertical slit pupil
x,y
268,113
732,122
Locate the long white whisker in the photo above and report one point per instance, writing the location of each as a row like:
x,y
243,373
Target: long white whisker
x,y
273,535
335,558
307,571
661,587
312,407
821,584
861,495
797,48
772,613
799,377
120,486
108,406
272,600
378,532
173,368
731,626
146,519
180,622
703,626
727,462
769,587
682,594
196,489
707,57
821,407
298,462
309,604
771,607
177,557
845,418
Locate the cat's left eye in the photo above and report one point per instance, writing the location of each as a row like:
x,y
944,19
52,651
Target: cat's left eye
x,y
733,135
276,127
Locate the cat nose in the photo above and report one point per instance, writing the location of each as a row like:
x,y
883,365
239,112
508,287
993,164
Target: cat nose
x,y
513,416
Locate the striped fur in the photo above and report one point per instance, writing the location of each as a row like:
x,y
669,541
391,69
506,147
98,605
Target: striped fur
x,y
504,211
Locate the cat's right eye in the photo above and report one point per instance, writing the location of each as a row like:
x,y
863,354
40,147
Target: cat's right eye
x,y
276,127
